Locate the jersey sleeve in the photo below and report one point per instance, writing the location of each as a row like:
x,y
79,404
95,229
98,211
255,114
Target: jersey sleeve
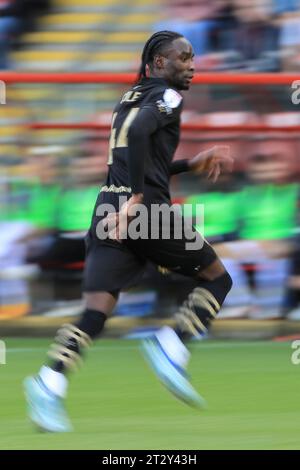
x,y
165,105
163,108
179,166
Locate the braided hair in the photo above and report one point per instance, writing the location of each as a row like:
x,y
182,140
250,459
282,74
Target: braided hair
x,y
155,45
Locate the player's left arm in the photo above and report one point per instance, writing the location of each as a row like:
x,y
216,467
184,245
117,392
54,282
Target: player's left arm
x,y
212,162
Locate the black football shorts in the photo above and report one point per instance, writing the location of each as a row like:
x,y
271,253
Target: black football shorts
x,y
112,266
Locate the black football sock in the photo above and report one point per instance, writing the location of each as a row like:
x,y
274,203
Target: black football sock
x,y
201,307
71,340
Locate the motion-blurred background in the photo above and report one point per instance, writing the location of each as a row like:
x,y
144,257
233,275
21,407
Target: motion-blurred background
x,y
52,167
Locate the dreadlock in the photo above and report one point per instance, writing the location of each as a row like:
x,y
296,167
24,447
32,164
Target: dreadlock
x,y
155,44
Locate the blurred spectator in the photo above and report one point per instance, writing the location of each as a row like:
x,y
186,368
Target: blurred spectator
x,y
10,25
228,34
62,261
269,205
226,25
291,301
73,214
257,35
221,227
288,21
221,203
26,223
194,19
17,16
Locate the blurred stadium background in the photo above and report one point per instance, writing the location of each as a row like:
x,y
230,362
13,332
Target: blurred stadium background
x,y
64,64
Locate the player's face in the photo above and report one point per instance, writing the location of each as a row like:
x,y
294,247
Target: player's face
x,y
179,64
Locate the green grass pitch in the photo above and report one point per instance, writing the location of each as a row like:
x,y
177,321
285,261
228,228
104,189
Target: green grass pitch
x,y
115,402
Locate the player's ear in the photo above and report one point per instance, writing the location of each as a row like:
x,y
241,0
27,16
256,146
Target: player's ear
x,y
159,61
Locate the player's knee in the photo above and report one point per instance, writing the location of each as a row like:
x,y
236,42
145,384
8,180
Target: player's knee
x,y
223,281
220,286
227,281
102,301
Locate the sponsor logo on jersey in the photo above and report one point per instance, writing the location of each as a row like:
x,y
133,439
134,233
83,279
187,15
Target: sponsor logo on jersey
x,y
171,100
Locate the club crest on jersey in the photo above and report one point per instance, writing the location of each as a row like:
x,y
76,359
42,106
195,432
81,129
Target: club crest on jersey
x,y
171,100
163,108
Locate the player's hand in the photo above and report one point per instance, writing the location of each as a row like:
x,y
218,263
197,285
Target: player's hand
x,y
213,162
117,222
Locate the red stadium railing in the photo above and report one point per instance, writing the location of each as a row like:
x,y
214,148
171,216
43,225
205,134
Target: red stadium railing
x,y
234,131
127,78
100,77
186,127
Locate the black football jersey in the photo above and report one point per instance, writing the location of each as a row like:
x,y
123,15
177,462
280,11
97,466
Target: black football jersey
x,y
160,107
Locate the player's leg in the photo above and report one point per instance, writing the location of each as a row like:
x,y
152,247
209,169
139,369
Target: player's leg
x,y
204,302
72,339
46,391
107,270
166,351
